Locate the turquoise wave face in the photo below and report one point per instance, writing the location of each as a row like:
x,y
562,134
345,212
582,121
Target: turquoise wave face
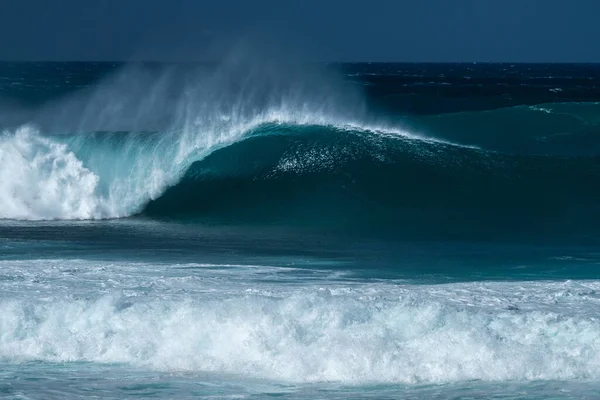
x,y
325,176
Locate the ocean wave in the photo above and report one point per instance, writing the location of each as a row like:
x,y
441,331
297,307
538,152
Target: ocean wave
x,y
299,173
330,332
569,129
107,151
114,174
320,176
248,144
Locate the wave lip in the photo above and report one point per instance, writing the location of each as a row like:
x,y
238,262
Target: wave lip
x,y
323,176
99,175
107,151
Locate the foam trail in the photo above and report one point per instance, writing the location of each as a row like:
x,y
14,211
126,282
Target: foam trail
x,y
352,334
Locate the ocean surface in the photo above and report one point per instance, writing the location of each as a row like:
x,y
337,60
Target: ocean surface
x,y
253,229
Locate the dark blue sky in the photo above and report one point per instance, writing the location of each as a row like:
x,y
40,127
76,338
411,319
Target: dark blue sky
x,y
325,30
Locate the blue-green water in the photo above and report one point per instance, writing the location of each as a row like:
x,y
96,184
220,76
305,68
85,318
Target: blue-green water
x,y
257,231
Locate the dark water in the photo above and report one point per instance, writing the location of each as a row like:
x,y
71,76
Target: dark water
x,y
252,229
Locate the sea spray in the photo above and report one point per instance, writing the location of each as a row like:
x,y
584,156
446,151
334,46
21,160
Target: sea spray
x,y
138,131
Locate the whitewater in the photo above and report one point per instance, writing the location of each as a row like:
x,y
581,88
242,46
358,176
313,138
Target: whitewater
x,y
253,321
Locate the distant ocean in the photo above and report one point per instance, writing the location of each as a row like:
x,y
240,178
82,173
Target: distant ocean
x,y
261,230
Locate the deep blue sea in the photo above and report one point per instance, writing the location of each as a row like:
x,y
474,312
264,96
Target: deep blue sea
x,y
259,229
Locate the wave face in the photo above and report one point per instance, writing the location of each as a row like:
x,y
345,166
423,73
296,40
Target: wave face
x,y
323,175
259,144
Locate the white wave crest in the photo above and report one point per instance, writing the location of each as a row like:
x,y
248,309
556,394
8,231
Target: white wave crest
x,y
42,179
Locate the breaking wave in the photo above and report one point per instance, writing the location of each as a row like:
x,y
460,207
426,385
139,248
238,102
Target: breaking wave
x,y
249,144
352,333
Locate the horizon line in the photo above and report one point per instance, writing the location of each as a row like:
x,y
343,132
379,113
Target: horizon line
x,y
302,62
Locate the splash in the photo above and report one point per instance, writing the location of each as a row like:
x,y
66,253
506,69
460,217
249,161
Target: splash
x,y
107,152
42,179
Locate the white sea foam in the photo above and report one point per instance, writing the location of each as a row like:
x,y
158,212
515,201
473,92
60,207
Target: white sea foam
x,y
335,330
41,179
